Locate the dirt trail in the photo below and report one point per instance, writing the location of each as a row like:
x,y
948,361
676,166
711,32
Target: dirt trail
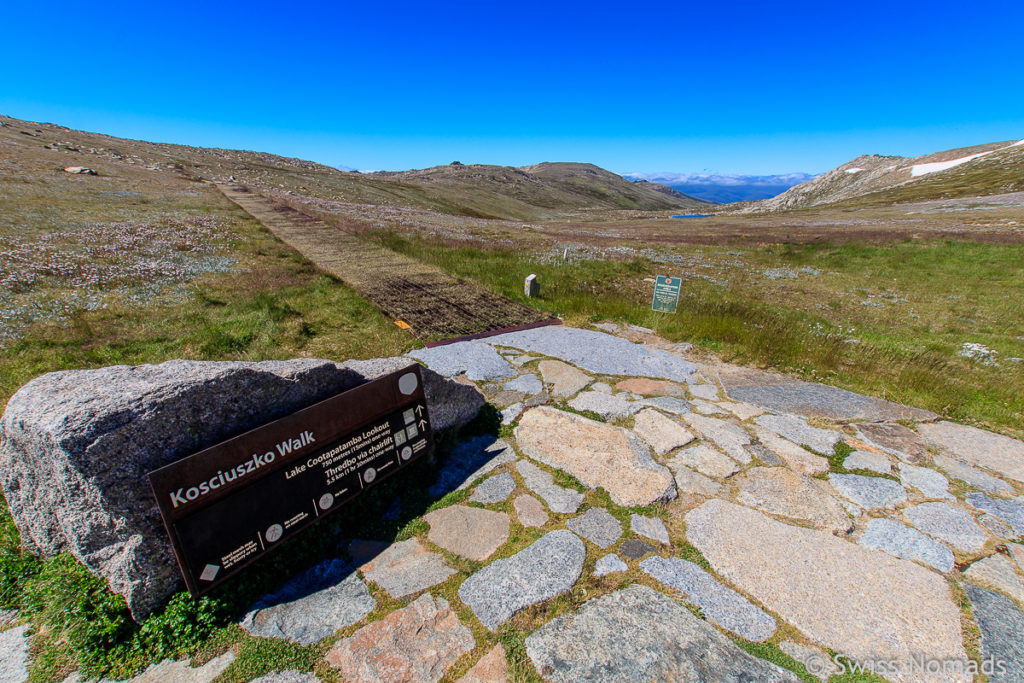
x,y
435,304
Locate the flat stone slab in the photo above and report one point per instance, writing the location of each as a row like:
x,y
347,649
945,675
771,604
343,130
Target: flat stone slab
x,y
638,634
182,671
494,489
799,432
782,492
978,447
530,511
415,644
705,460
721,606
649,527
491,668
609,564
693,483
473,533
663,434
504,399
597,454
313,605
997,527
1001,623
512,413
948,524
1010,511
597,526
608,407
866,460
287,676
998,572
904,443
14,654
565,380
708,392
707,408
598,352
650,387
634,548
856,601
869,492
670,404
548,567
528,384
809,399
727,436
972,476
469,461
795,457
929,482
404,568
743,411
910,544
477,360
561,500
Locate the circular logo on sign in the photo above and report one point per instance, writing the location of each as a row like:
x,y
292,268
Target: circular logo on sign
x,y
326,501
369,475
406,453
407,383
274,533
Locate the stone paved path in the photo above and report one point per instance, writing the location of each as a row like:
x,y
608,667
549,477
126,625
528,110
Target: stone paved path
x,y
637,545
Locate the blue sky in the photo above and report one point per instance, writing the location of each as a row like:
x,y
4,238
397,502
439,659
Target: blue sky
x,y
757,88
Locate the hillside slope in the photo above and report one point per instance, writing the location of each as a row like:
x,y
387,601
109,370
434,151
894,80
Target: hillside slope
x,y
479,191
993,168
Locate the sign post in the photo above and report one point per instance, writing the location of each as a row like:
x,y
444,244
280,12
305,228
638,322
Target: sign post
x,y
666,294
228,505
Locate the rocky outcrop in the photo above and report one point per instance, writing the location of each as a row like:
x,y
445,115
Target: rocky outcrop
x,y
76,446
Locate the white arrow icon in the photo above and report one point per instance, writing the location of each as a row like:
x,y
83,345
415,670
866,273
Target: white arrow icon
x,y
419,410
423,424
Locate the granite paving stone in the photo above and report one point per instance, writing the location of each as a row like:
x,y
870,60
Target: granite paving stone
x,y
729,437
649,527
706,408
504,399
597,454
743,411
182,671
852,599
540,399
693,483
494,489
414,644
972,476
663,434
794,456
597,526
491,668
705,460
1016,551
634,548
528,384
602,387
565,380
721,606
561,500
866,460
817,662
929,482
520,361
548,567
766,456
894,438
997,572
975,446
903,541
650,387
708,392
598,352
997,527
530,511
287,676
477,360
948,524
404,568
799,432
608,407
311,606
1010,511
638,634
670,404
783,492
609,564
1001,623
469,461
14,654
512,413
869,492
473,533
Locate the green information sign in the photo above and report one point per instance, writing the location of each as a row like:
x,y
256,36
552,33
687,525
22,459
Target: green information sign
x,y
666,294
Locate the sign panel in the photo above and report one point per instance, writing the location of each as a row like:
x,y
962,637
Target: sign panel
x,y
226,506
666,294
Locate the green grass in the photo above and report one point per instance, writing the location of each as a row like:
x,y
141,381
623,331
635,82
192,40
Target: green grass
x,y
931,298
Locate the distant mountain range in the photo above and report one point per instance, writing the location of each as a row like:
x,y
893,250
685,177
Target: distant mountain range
x,y
724,189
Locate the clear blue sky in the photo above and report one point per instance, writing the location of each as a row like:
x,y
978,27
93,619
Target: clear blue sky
x,y
760,87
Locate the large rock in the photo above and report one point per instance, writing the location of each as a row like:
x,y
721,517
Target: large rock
x,y
77,446
977,447
597,454
541,571
415,644
779,491
639,634
1001,623
859,602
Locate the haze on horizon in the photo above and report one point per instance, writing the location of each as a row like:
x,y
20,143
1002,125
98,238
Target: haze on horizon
x,y
652,89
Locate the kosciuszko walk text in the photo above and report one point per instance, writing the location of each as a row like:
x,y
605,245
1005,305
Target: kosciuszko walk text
x,y
229,504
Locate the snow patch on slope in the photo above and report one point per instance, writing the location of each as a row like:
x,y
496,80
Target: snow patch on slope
x,y
934,167
854,170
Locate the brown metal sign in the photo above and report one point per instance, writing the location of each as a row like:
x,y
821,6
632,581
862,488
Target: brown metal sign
x,y
229,504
